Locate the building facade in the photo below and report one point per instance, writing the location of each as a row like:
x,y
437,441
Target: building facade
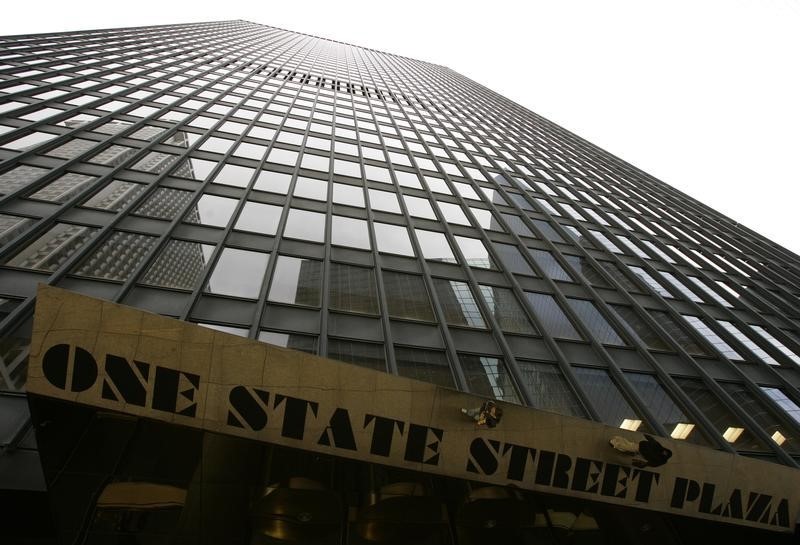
x,y
384,212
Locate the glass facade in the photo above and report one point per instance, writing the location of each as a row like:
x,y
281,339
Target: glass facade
x,y
390,213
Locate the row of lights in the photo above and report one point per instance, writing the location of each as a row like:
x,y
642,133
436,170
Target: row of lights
x,y
682,430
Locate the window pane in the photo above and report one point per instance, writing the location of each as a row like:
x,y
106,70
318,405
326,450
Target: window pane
x,y
742,338
594,322
419,207
227,278
305,225
166,203
117,257
458,303
776,343
712,337
506,309
661,404
638,327
64,188
553,318
274,182
294,341
392,239
234,175
549,389
384,201
179,265
406,296
678,333
454,214
764,417
434,246
364,354
12,226
426,365
212,210
310,188
783,401
115,196
488,377
353,289
512,259
348,194
475,253
53,248
296,281
350,232
259,218
608,401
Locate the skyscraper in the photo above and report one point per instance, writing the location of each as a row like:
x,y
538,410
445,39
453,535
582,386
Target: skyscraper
x,y
385,212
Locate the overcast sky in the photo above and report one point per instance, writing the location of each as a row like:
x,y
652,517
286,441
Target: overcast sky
x,y
702,94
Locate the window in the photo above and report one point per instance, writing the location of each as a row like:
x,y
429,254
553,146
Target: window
x,y
638,327
305,225
434,246
549,389
475,252
117,257
211,210
392,239
259,218
116,196
764,416
458,303
745,340
547,262
367,355
406,296
487,376
597,325
426,365
383,201
650,282
512,259
226,279
678,333
310,188
608,401
506,309
781,399
352,289
296,281
419,207
350,232
179,265
553,319
295,341
712,337
776,343
52,249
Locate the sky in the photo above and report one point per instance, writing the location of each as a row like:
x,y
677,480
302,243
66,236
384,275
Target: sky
x,y
702,94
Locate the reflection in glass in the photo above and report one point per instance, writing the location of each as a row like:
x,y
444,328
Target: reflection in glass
x,y
19,177
512,259
383,201
12,226
117,257
458,303
227,277
179,265
548,263
475,252
549,389
311,188
305,225
597,325
296,281
783,401
392,239
234,175
426,365
701,327
259,218
64,188
454,214
349,232
608,401
294,341
637,327
488,377
167,203
553,319
367,355
678,333
506,309
406,296
115,196
348,194
419,207
212,210
274,182
53,248
783,436
352,289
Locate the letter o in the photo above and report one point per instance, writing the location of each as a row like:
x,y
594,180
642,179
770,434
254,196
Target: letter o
x,y
55,363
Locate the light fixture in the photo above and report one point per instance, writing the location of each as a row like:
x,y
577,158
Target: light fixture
x,y
778,437
731,435
681,430
630,424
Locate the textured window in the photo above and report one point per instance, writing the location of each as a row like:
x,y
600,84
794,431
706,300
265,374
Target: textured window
x,y
406,296
549,389
665,410
296,281
677,284
638,327
64,188
547,262
506,309
426,365
745,340
117,257
305,225
19,177
650,282
179,265
781,399
517,225
12,226
712,337
708,291
783,436
350,232
458,303
227,277
512,259
392,239
548,230
434,246
295,341
553,319
475,252
166,203
259,218
597,325
678,333
776,343
367,355
352,289
724,421
116,196
608,401
488,377
52,249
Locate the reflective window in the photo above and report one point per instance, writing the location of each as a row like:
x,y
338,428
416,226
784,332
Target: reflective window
x,y
117,257
305,225
352,289
419,207
678,333
383,201
348,194
296,281
553,319
52,249
116,196
512,259
712,337
19,177
597,325
367,355
753,347
259,218
608,401
282,157
274,182
651,282
63,188
549,389
458,303
783,436
294,341
234,175
406,296
547,262
310,188
392,239
637,326
776,343
167,203
12,226
180,264
434,246
506,309
475,252
782,400
350,232
547,229
677,284
488,377
665,410
426,365
227,277
454,214
517,225
212,210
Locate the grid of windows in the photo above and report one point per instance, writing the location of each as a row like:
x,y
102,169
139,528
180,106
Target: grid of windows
x,y
354,203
